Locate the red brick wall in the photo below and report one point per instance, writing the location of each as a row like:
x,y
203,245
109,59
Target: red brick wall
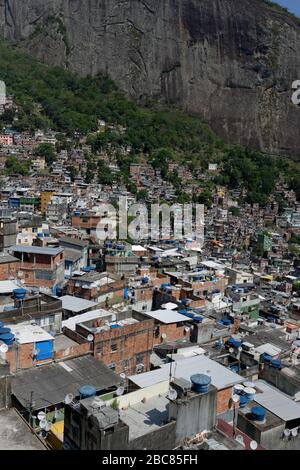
x,y
223,397
9,270
173,333
130,341
75,351
22,358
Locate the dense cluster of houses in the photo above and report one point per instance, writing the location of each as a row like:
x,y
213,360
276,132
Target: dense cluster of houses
x,y
96,335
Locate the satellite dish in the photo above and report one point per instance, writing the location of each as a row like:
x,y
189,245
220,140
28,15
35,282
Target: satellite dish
x,y
240,349
172,394
240,440
253,445
43,424
41,415
164,336
294,432
123,376
287,432
187,329
231,350
90,338
235,398
3,348
69,398
120,391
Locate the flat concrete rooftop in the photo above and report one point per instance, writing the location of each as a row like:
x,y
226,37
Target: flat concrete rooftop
x,y
15,434
143,418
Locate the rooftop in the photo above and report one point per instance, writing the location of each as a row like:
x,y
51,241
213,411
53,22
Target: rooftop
x,y
29,333
84,317
276,402
220,375
167,316
143,418
15,434
76,304
51,383
38,250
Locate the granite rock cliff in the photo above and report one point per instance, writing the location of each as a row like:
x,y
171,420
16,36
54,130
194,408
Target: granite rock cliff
x,y
232,62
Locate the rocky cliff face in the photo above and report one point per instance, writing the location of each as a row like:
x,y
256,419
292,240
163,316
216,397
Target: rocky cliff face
x,y
230,61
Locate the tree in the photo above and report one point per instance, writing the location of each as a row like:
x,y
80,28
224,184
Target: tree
x,y
142,195
47,151
72,171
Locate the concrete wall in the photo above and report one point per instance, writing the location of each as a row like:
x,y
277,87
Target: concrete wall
x,y
5,387
281,381
136,397
161,439
195,414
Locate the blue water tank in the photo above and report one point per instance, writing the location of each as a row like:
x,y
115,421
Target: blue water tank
x,y
226,322
258,413
1,324
145,280
3,330
114,327
7,338
276,363
234,369
266,358
87,391
19,294
126,293
243,401
77,213
200,383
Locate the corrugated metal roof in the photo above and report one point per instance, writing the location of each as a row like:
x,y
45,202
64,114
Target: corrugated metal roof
x,y
76,304
276,402
220,375
39,250
51,383
167,316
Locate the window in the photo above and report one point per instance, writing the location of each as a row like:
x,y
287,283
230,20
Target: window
x,y
113,347
139,358
98,349
112,366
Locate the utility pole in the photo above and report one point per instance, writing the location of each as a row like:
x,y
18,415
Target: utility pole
x,y
31,409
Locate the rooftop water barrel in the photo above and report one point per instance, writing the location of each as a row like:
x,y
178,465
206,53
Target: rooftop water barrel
x,y
1,324
243,401
120,247
114,327
258,413
86,269
200,383
87,391
198,319
155,258
250,393
77,213
238,389
234,369
226,322
266,358
276,363
183,311
7,338
19,294
4,331
145,280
